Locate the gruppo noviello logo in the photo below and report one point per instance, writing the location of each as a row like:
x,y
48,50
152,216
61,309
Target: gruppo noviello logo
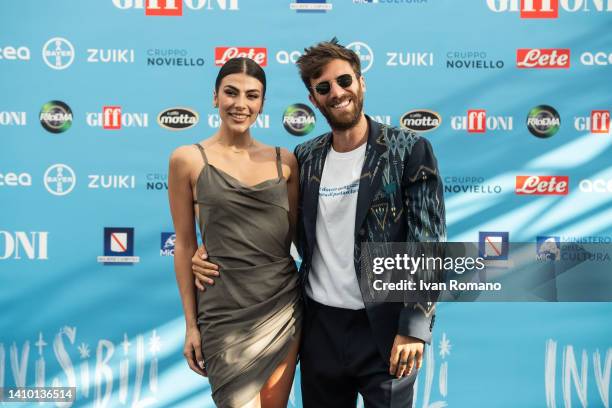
x,y
118,246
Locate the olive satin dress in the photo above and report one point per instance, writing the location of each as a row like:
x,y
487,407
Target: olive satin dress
x,y
252,314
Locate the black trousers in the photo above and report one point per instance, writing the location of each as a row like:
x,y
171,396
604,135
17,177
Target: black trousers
x,y
339,358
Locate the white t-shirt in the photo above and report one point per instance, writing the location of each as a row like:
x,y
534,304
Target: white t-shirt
x,y
332,280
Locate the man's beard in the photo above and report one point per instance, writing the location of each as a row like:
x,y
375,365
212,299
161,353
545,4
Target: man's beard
x,y
346,120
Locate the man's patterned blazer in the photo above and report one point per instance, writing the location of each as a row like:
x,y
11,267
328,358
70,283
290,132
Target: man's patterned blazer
x,y
400,199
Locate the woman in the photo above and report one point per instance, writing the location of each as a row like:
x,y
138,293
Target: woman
x,y
243,332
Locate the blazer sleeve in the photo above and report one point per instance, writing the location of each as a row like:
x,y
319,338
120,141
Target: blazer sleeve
x,y
300,219
423,197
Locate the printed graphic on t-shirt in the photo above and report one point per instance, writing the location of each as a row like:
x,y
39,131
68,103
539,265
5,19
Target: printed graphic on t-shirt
x,y
346,190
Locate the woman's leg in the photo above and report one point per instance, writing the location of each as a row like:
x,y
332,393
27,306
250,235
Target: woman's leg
x,y
275,392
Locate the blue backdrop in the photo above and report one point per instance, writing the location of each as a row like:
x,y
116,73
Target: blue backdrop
x,y
83,168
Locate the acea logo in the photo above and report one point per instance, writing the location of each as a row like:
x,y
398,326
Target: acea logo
x,y
310,6
118,247
58,53
543,121
56,116
59,179
15,180
169,8
365,54
596,58
178,118
12,53
167,244
299,119
420,120
23,245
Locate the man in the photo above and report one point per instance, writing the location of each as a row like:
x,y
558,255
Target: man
x,y
362,182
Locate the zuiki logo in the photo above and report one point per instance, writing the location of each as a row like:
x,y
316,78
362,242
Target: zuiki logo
x,y
262,121
543,58
157,181
310,6
257,54
23,245
299,119
113,118
548,248
118,246
175,7
477,121
596,58
543,121
472,60
111,181
167,244
178,118
58,53
598,122
548,8
11,53
470,184
59,179
121,369
116,56
56,116
13,118
172,57
365,54
494,245
15,180
542,185
410,59
420,120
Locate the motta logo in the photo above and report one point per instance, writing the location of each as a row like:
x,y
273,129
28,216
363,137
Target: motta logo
x,y
477,121
420,120
167,8
598,122
548,8
178,118
113,118
257,54
542,185
543,58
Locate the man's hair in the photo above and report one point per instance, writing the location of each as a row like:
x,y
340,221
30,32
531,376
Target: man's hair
x,y
313,60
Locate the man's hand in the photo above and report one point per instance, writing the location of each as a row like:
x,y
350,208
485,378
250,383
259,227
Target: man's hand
x,y
203,270
403,355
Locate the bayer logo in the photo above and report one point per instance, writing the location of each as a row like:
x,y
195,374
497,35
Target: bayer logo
x,y
59,179
366,56
58,53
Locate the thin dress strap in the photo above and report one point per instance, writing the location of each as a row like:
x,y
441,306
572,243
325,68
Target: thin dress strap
x,y
279,168
202,151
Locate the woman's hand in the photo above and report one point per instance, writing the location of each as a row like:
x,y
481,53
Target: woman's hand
x,y
193,351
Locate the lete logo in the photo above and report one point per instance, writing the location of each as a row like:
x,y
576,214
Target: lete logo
x,y
542,185
257,54
543,58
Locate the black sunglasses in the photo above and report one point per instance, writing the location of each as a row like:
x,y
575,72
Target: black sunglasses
x,y
324,87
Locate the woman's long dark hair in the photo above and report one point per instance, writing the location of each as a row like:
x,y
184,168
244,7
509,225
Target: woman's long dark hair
x,y
241,65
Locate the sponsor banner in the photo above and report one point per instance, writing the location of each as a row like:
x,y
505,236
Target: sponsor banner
x,y
118,246
58,53
179,118
175,8
299,119
478,121
420,120
56,116
543,121
11,53
597,58
11,179
542,185
24,245
466,60
257,54
13,118
598,122
543,58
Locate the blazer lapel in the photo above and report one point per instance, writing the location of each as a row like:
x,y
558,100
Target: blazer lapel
x,y
371,174
312,170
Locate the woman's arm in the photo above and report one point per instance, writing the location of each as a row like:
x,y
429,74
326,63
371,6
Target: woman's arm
x,y
180,196
293,189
